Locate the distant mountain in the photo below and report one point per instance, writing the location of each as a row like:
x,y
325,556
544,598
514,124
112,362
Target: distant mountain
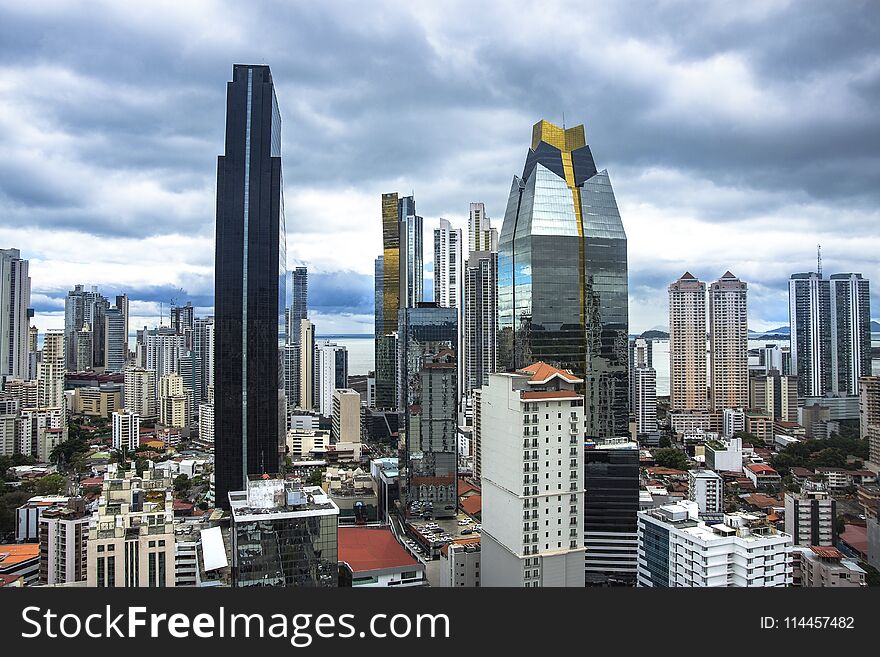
x,y
782,330
654,334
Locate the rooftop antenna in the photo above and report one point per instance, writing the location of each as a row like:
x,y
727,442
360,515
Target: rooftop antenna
x,y
819,259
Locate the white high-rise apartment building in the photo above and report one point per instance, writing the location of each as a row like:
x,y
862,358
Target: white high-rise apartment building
x,y
174,402
40,430
481,235
163,348
412,267
15,299
532,478
676,549
64,533
126,430
687,344
447,265
8,420
332,368
306,365
140,392
706,488
728,343
645,399
51,372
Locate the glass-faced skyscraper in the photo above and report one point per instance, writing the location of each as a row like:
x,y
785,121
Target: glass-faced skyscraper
x,y
428,399
562,274
248,290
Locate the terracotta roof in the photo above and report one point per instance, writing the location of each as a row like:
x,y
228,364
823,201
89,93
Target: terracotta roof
x,y
826,552
801,472
760,468
15,553
92,481
366,549
542,372
856,537
548,394
472,505
465,486
667,472
6,580
763,501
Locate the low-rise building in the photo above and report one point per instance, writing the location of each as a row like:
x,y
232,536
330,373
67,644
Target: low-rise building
x,y
20,560
706,488
676,549
724,455
762,475
810,515
460,563
825,567
372,557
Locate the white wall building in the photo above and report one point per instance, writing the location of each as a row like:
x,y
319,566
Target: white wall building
x,y
126,430
15,299
532,478
332,367
706,488
678,550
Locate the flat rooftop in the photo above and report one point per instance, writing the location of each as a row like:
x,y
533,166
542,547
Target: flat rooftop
x,y
372,548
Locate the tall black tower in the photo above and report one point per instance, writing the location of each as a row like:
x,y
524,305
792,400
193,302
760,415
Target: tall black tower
x,y
250,263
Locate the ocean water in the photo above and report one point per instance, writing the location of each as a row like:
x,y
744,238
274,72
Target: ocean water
x,y
360,351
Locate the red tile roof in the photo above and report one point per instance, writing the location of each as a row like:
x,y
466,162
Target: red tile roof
x,y
15,553
826,552
548,394
856,537
367,548
472,505
542,372
761,468
465,487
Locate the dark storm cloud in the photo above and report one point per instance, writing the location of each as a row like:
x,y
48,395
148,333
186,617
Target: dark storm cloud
x,y
755,114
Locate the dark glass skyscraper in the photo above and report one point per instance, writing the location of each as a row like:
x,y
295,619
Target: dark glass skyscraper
x,y
298,302
428,398
562,274
250,263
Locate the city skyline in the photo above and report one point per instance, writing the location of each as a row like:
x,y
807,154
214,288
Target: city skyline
x,y
755,149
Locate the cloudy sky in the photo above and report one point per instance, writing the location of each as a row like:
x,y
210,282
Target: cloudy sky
x,y
738,135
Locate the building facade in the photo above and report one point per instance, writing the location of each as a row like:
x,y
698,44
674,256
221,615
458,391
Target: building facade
x,y
687,344
728,343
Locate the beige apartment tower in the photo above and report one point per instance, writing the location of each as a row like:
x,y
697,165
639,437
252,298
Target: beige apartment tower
x,y
728,343
306,365
687,344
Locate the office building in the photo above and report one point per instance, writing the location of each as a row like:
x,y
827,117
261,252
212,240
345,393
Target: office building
x,y
774,394
562,275
284,534
676,549
307,366
250,263
131,539
15,313
116,335
331,363
182,318
346,416
811,515
126,430
203,346
830,332
447,265
189,368
428,391
728,343
98,401
297,302
611,505
706,488
85,307
645,400
290,355
64,533
687,344
532,478
480,329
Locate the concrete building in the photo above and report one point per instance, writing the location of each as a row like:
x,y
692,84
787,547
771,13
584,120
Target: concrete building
x,y
733,421
706,488
480,327
811,515
532,478
825,567
306,365
131,540
97,402
774,394
724,455
307,444
51,372
869,415
332,373
687,344
139,392
371,557
40,430
460,563
645,399
8,421
302,520
346,416
126,430
174,402
15,301
676,549
728,343
64,533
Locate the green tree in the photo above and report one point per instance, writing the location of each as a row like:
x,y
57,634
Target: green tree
x,y
182,484
53,484
669,457
315,477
